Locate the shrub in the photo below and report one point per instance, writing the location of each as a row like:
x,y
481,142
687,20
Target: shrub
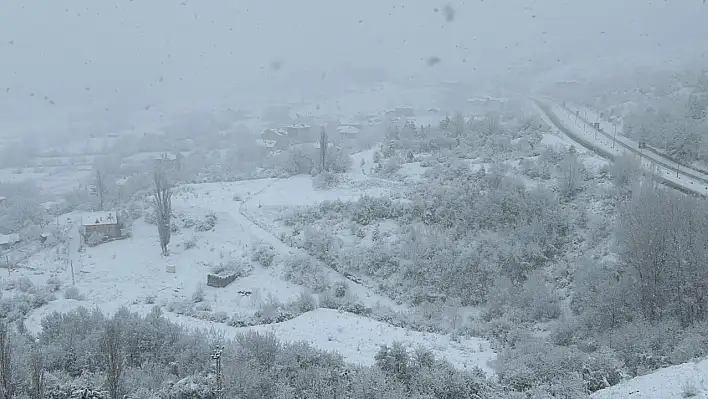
x,y
42,297
263,254
24,284
340,289
325,180
240,268
53,284
198,295
150,216
94,239
208,223
305,302
302,270
191,243
73,293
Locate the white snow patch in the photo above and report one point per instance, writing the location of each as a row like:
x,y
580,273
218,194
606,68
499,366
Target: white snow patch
x,y
667,383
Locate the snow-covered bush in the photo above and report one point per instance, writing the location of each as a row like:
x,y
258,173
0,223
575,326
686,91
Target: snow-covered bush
x,y
325,180
263,254
73,293
208,223
322,245
198,294
24,284
94,239
238,267
150,216
305,302
190,243
302,270
347,303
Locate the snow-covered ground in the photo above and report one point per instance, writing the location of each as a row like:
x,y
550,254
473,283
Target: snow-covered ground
x,y
687,380
132,272
50,180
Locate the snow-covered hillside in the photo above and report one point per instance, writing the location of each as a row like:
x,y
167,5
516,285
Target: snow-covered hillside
x,y
132,272
687,380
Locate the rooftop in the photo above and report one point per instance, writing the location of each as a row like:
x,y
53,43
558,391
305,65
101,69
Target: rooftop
x,y
279,132
98,218
9,238
266,143
299,126
347,129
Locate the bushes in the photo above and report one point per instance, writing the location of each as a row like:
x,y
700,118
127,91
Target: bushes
x,y
238,267
263,253
325,180
302,270
207,224
73,293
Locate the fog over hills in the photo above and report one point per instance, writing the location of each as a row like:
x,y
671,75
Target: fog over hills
x,y
60,58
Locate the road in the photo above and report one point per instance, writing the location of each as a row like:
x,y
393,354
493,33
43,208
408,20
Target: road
x,y
654,157
605,144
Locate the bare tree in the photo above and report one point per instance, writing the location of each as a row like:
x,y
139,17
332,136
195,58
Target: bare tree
x,y
6,387
37,377
100,188
111,347
323,148
163,208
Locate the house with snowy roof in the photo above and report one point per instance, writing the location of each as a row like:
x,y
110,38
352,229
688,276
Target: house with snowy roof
x,y
300,132
104,225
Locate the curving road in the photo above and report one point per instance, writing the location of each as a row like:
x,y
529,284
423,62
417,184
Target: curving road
x,y
597,140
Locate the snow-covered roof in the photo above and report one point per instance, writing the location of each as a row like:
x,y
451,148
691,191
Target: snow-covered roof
x,y
98,218
299,126
9,238
2,198
266,143
347,130
166,156
279,132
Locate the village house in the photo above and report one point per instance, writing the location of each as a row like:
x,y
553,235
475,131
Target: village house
x,y
167,161
3,201
347,132
300,132
102,224
274,139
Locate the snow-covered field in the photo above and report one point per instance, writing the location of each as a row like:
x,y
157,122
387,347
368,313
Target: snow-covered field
x,y
688,380
132,272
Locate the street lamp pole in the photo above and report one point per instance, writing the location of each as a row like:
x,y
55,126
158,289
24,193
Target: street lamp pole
x,y
216,355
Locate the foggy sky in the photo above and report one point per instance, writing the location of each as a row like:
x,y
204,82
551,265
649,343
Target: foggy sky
x,y
88,56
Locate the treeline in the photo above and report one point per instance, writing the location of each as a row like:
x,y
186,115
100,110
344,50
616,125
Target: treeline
x,y
150,357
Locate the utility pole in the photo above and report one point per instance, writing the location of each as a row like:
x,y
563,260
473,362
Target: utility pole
x,y
73,281
216,355
614,138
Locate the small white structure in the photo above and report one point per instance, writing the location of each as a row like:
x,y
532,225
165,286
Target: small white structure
x,y
8,240
3,200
